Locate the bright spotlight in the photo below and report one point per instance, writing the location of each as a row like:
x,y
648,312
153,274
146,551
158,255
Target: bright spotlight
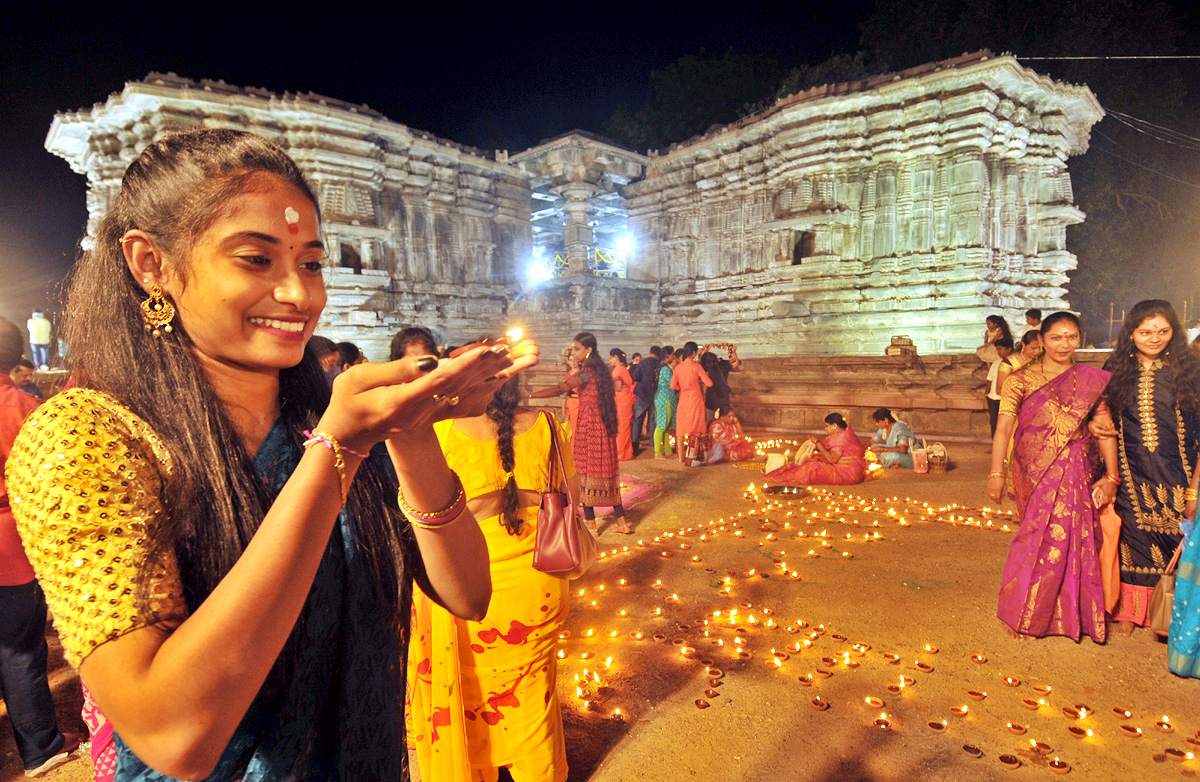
x,y
624,245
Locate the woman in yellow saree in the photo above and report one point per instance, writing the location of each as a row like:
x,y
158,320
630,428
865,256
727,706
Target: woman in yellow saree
x,y
481,695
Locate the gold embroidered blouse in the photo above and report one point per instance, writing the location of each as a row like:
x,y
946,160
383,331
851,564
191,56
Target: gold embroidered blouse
x,y
85,479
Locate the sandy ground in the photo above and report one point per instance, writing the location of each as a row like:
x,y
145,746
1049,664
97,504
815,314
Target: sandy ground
x,y
929,582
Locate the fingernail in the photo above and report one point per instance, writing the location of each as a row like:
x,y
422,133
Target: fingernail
x,y
500,350
427,364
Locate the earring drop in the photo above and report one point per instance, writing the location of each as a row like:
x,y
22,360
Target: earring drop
x,y
157,312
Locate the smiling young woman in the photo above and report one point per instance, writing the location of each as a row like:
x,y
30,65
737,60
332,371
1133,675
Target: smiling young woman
x,y
1154,397
225,564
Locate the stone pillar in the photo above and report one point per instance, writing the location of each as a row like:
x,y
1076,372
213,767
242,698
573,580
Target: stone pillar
x,y
577,233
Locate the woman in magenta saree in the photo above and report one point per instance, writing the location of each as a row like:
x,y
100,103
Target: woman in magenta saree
x,y
1051,583
838,460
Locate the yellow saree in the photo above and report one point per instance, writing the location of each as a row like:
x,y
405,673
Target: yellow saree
x,y
482,695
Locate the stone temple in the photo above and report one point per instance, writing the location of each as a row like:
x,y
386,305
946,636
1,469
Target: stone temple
x,y
912,203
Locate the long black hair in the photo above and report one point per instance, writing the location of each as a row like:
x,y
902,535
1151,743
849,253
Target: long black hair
x,y
1182,364
214,500
501,411
602,377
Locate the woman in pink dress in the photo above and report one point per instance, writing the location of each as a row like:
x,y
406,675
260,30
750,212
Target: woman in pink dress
x,y
689,380
623,388
838,460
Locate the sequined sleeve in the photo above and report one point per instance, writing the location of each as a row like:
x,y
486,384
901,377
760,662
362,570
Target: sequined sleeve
x,y
85,479
1013,394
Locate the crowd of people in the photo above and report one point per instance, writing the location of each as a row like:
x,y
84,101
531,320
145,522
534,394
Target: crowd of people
x,y
269,558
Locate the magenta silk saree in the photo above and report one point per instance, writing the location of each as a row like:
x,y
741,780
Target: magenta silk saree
x,y
850,469
1052,583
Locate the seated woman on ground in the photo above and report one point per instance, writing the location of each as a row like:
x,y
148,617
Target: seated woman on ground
x,y
894,440
837,461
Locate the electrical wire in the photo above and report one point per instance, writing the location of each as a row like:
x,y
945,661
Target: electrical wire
x,y
1120,57
1140,165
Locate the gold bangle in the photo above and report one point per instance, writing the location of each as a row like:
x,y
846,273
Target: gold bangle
x,y
1189,494
996,475
330,442
429,520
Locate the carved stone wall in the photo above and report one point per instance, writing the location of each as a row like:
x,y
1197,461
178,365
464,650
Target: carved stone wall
x,y
418,229
911,204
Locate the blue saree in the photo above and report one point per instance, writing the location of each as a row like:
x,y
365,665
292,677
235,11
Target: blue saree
x,y
338,714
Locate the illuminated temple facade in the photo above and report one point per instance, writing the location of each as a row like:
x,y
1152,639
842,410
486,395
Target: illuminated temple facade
x,y
912,204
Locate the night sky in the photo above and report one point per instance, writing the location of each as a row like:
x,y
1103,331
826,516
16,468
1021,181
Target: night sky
x,y
507,79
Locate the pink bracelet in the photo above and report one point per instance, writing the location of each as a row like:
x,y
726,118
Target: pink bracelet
x,y
320,437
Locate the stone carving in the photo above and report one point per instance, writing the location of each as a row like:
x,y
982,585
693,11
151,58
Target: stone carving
x,y
911,203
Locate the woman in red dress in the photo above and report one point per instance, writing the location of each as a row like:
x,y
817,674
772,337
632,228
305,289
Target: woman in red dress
x,y
595,437
689,380
623,390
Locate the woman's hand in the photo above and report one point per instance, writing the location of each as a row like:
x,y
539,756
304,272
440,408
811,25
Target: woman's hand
x,y
812,439
372,402
995,487
1189,509
1104,492
1101,428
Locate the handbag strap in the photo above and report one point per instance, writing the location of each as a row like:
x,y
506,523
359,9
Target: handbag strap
x,y
556,452
1175,559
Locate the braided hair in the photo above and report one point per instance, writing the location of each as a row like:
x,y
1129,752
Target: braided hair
x,y
501,411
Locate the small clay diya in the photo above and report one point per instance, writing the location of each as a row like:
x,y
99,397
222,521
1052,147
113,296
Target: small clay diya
x,y
1042,689
931,649
701,703
1041,747
820,704
973,751
907,681
1084,709
923,667
895,689
1012,682
1077,732
839,638
978,659
1010,761
1070,713
790,629
1016,728
1131,731
1059,766
1163,726
829,661
715,672
1125,713
936,727
824,674
659,637
892,658
874,702
819,630
976,695
711,693
1192,742
851,663
1031,704
706,662
1177,755
714,682
806,680
744,654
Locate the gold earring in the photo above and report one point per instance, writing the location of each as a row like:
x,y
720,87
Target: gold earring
x,y
157,311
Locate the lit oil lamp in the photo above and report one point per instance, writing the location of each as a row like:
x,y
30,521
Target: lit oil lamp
x,y
1078,732
1031,704
1042,689
931,649
873,702
806,680
1131,731
1012,681
1123,713
978,659
701,703
820,704
923,667
1164,725
1059,766
958,711
882,723
976,695
936,727
1016,728
1177,755
1040,747
1010,761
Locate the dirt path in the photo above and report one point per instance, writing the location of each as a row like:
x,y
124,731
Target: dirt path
x,y
930,582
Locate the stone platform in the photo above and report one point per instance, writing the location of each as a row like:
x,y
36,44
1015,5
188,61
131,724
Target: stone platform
x,y
941,396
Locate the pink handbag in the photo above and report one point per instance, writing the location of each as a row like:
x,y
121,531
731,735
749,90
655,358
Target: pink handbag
x,y
563,547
